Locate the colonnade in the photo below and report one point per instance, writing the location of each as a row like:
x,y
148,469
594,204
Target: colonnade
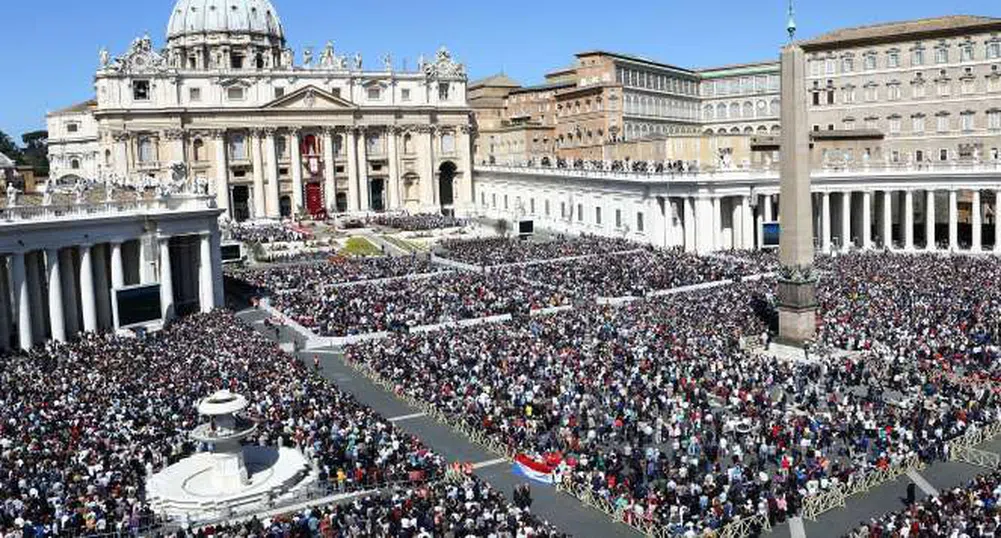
x,y
58,292
893,218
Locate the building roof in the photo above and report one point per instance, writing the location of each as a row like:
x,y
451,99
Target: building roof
x,y
77,108
500,80
739,69
199,17
636,59
895,31
543,87
6,162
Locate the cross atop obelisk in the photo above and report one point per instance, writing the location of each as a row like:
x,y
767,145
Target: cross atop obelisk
x,y
797,284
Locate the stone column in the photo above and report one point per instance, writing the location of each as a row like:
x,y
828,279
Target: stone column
x,y
997,224
976,243
825,221
117,281
866,220
218,298
102,293
206,282
689,225
330,170
846,220
255,151
166,281
121,139
31,263
429,183
769,213
759,221
87,304
717,220
271,173
5,310
222,170
22,300
953,220
363,187
393,187
57,320
930,220
295,146
888,219
71,308
747,223
908,220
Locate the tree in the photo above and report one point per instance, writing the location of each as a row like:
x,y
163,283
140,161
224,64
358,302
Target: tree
x,y
36,151
9,148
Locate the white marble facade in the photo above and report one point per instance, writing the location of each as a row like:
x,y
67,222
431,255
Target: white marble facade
x,y
273,134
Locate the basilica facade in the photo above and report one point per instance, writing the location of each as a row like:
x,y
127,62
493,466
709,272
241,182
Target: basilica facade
x,y
226,104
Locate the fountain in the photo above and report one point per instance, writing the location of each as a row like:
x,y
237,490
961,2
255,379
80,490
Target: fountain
x,y
230,477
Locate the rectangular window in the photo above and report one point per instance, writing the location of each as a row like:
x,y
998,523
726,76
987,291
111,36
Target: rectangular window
x,y
405,94
72,127
618,218
871,123
941,56
140,90
374,94
994,84
994,120
943,124
919,57
531,206
580,212
893,60
871,93
919,90
505,202
918,124
563,210
195,95
236,61
894,92
493,200
639,221
943,155
546,205
830,97
943,88
870,62
597,216
967,122
279,93
849,125
967,53
829,66
994,50
849,95
894,125
969,86
234,94
848,65
483,199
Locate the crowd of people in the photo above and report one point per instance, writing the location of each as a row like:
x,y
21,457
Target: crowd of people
x,y
266,233
82,425
659,406
468,508
501,250
973,511
318,276
401,304
419,222
636,273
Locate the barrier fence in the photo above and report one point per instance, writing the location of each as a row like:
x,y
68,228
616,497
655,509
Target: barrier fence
x,y
963,449
837,495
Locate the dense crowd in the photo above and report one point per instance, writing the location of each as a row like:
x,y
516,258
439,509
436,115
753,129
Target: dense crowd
x,y
417,223
501,250
636,273
400,304
660,408
267,233
337,270
469,508
83,424
973,511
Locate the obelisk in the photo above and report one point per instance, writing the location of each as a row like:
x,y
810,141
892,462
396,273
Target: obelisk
x,y
797,283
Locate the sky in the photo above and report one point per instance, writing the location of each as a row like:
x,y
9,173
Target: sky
x,y
51,46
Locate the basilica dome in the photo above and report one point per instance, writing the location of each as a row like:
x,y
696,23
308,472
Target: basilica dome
x,y
199,17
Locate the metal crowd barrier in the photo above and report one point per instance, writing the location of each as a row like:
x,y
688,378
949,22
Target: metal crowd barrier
x,y
837,496
963,449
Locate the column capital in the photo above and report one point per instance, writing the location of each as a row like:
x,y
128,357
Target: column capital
x,y
121,136
218,134
293,131
174,134
269,131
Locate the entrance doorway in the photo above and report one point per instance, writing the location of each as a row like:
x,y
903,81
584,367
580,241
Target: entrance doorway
x,y
446,175
314,199
241,203
285,207
377,194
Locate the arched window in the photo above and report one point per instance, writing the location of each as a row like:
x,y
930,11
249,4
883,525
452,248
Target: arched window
x,y
748,130
721,111
75,164
748,110
198,149
107,157
708,112
774,107
408,144
734,110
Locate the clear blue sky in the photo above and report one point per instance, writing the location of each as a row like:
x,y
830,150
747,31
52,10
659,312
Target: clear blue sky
x,y
50,46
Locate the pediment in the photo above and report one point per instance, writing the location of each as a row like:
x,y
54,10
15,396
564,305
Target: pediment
x,y
311,98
